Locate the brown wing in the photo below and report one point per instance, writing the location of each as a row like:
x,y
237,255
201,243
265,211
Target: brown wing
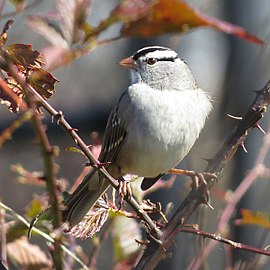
x,y
114,136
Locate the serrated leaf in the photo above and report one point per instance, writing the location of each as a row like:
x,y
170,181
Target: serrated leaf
x,y
24,55
15,230
146,18
125,231
44,82
27,256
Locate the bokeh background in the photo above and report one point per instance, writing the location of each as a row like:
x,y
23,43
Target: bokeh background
x,y
228,68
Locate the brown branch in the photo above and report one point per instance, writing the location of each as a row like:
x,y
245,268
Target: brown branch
x,y
58,117
218,238
49,163
246,183
155,252
4,86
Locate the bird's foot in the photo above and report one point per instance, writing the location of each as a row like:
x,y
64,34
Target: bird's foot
x,y
198,179
124,190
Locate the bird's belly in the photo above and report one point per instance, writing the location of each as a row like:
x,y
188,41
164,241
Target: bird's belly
x,y
160,136
152,152
151,161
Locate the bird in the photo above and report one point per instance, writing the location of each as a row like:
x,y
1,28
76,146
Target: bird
x,y
150,129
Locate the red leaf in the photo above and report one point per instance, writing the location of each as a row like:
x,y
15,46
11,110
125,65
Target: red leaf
x,y
169,16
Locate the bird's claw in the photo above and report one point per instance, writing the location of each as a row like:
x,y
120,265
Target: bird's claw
x,y
199,179
124,191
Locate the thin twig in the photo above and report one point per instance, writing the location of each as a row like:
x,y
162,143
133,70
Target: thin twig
x,y
6,134
49,163
49,170
58,117
4,86
42,234
218,238
241,190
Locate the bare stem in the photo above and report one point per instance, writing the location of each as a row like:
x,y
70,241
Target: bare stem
x,y
49,165
58,117
218,238
154,253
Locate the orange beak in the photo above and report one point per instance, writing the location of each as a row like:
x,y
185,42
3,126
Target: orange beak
x,y
128,63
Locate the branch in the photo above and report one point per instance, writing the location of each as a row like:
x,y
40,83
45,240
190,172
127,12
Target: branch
x,y
48,160
4,86
58,117
245,184
155,252
218,238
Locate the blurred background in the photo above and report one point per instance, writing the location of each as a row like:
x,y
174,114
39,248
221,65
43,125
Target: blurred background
x,y
226,67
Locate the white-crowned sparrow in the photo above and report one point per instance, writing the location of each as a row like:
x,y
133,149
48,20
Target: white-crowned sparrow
x,y
151,128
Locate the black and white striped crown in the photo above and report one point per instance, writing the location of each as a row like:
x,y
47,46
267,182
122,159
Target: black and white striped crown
x,y
157,52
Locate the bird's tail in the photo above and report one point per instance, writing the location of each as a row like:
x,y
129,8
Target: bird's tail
x,y
84,198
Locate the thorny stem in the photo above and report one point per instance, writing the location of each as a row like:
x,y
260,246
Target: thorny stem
x,y
218,238
235,198
49,167
154,253
60,120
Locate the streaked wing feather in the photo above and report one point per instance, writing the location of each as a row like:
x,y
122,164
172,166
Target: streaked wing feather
x,y
113,138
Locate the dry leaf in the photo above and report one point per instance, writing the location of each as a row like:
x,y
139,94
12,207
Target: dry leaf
x,y
43,82
29,64
92,221
23,55
255,218
27,256
151,18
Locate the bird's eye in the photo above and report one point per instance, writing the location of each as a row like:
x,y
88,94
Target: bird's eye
x,y
151,61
